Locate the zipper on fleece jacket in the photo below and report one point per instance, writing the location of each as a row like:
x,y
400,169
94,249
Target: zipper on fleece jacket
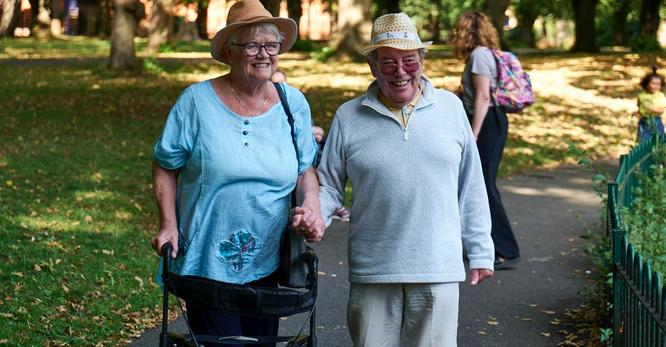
x,y
405,132
406,117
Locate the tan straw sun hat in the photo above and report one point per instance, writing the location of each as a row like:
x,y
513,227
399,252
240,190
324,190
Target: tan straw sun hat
x,y
394,30
247,12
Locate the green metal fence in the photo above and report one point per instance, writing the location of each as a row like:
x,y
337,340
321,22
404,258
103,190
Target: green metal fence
x,y
639,304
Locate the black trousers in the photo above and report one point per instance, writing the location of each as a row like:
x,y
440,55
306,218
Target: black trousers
x,y
490,143
213,322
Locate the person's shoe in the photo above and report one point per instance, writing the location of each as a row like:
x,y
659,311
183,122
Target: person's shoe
x,y
504,263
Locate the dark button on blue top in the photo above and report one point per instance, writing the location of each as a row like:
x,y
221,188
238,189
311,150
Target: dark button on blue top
x,y
245,132
246,122
246,144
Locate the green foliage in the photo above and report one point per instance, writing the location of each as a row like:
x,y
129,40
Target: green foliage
x,y
322,55
599,295
606,336
307,46
645,219
445,11
644,44
151,66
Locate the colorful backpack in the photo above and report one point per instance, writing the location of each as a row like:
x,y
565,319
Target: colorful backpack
x,y
514,89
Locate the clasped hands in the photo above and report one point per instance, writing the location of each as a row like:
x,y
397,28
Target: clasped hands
x,y
308,223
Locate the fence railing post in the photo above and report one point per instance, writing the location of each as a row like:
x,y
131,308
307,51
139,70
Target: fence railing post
x,y
616,251
639,295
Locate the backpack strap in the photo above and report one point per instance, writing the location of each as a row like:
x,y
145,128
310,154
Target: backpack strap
x,y
496,56
290,120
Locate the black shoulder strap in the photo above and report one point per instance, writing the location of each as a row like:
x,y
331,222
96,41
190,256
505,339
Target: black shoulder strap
x,y
290,120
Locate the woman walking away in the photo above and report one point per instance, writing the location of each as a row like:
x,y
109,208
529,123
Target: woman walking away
x,y
473,40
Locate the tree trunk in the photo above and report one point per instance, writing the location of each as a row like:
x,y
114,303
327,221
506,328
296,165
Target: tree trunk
x,y
525,28
353,29
620,22
295,9
161,23
90,14
123,28
649,19
202,18
8,16
495,9
105,18
273,6
586,33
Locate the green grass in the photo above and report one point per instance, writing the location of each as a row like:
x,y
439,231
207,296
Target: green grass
x,y
79,46
76,205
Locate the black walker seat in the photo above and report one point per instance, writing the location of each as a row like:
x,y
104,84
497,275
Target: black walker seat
x,y
239,299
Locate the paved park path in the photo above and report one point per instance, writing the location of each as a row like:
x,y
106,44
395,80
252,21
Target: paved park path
x,y
524,306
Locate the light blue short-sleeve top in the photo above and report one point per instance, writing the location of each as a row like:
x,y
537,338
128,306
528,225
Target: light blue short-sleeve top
x,y
236,175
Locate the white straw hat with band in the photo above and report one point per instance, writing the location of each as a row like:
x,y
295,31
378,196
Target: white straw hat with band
x,y
247,12
394,30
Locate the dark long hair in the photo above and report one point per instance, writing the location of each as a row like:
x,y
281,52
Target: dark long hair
x,y
646,80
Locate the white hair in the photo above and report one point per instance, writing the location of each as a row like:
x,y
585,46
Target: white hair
x,y
254,29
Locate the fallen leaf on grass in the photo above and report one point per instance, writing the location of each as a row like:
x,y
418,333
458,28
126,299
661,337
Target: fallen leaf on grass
x,y
548,312
7,315
492,322
482,333
140,280
526,319
545,334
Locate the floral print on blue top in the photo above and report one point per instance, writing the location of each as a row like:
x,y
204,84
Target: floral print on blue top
x,y
239,249
236,174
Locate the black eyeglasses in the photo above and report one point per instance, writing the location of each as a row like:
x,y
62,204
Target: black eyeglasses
x,y
253,48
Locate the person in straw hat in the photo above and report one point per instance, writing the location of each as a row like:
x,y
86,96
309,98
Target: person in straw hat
x,y
224,167
418,197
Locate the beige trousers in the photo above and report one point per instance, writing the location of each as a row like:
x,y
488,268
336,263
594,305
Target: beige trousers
x,y
403,314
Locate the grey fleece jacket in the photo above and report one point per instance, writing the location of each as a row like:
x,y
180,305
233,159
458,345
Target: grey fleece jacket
x,y
418,192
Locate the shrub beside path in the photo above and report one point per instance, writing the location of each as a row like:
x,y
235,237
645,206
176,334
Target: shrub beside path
x,y
527,306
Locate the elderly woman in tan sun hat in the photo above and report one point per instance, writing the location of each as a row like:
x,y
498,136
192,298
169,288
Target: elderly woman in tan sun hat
x,y
418,197
226,163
